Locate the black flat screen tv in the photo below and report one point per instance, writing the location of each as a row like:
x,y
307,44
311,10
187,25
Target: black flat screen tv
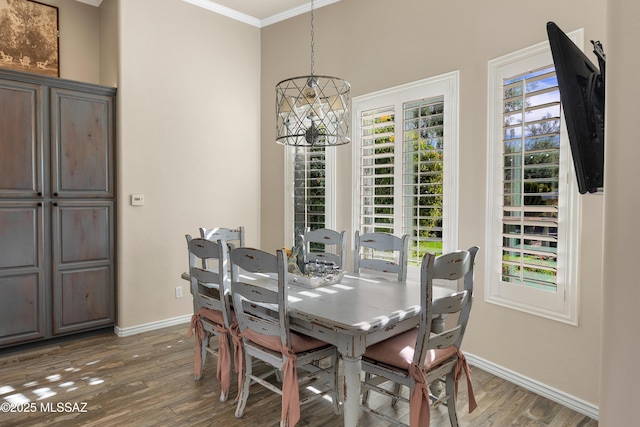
x,y
581,85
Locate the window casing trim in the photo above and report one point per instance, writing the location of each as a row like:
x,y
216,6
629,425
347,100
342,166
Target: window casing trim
x,y
446,85
563,305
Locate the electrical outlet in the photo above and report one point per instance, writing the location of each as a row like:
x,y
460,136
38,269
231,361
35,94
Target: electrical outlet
x,y
178,291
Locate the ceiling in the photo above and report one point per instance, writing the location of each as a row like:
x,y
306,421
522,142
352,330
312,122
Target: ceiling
x,y
258,13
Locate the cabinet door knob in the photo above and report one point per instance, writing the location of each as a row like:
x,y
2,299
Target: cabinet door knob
x,y
39,203
39,193
55,204
55,194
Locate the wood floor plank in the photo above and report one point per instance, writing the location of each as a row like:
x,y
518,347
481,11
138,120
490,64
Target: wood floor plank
x,y
147,380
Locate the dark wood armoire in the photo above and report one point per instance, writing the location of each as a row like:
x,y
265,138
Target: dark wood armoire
x,y
57,207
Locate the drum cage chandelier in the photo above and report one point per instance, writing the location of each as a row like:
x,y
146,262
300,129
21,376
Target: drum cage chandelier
x,y
312,110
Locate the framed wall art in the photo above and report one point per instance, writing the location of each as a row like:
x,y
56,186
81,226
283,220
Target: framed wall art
x,y
29,37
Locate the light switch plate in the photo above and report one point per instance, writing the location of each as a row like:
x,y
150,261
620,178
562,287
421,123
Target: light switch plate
x,y
137,199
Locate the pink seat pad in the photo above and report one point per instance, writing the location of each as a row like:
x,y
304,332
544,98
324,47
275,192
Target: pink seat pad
x,y
299,342
398,351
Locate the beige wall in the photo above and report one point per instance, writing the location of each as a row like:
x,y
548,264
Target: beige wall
x,y
188,97
620,372
374,46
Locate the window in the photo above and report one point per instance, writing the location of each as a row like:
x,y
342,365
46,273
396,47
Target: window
x,y
310,187
532,197
405,164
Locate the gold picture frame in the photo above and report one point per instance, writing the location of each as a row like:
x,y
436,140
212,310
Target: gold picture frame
x,y
29,37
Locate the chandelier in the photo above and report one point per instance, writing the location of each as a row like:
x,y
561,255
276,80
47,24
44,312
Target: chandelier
x,y
312,110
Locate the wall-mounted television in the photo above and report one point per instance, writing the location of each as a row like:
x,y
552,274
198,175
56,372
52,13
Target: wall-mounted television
x,y
581,85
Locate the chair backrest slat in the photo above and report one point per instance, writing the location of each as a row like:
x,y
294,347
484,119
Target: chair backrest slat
x,y
451,304
445,339
381,265
229,235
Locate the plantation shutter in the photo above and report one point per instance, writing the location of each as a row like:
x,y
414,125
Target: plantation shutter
x,y
377,179
423,166
401,173
309,189
531,151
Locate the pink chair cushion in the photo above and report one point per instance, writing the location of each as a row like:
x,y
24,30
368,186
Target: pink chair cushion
x,y
398,351
299,342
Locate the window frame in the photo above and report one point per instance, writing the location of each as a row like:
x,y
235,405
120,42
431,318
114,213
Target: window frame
x,y
447,86
561,305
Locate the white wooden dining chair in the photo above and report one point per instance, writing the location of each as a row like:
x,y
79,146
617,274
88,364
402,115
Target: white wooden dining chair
x,y
229,235
419,356
326,245
212,315
381,252
264,326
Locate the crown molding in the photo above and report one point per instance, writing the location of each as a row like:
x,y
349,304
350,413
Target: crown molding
x,y
295,12
226,11
251,20
95,3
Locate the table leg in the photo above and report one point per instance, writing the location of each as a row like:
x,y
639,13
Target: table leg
x,y
351,371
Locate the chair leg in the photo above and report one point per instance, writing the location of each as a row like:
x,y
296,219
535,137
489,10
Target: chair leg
x,y
396,392
246,382
204,344
365,394
451,400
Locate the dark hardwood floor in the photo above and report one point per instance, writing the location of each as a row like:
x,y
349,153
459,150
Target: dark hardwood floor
x,y
146,380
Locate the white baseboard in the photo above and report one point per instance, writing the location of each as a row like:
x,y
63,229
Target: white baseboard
x,y
133,330
544,390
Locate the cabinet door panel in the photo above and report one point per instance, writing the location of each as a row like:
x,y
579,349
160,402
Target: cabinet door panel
x,y
84,299
21,315
82,132
85,233
20,140
22,272
20,235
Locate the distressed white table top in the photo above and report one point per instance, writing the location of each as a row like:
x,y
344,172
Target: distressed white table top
x,y
359,303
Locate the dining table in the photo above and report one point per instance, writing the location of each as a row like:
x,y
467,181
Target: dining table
x,y
361,310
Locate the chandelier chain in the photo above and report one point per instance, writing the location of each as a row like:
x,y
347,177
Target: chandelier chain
x,y
312,41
